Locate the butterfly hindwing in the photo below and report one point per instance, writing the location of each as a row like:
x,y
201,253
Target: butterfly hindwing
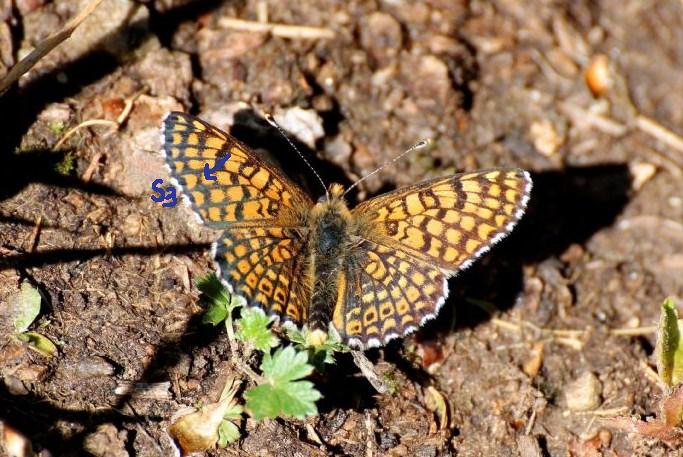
x,y
265,266
384,294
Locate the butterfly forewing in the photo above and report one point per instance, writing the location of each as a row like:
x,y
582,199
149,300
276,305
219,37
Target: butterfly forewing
x,y
448,221
246,190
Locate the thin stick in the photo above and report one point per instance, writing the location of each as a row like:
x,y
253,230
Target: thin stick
x,y
88,123
656,130
367,368
35,235
635,331
46,46
280,30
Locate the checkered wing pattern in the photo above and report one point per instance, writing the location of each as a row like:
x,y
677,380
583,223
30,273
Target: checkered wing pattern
x,y
265,266
247,191
412,239
261,212
385,293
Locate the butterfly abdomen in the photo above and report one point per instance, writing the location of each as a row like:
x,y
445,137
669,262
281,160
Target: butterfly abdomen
x,y
328,248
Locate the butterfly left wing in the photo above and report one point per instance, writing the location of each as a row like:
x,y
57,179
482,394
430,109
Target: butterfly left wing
x,y
412,239
246,192
261,212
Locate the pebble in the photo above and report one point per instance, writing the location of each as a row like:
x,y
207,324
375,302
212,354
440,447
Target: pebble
x,y
583,394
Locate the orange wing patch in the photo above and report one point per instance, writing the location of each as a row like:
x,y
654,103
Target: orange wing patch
x,y
246,190
448,221
384,294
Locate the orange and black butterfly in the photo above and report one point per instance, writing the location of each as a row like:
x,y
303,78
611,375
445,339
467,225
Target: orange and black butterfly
x,y
374,272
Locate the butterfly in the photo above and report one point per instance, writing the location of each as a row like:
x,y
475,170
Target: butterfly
x,y
374,272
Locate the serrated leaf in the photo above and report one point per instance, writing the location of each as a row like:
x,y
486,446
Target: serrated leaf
x,y
39,343
284,394
215,314
25,307
220,303
253,328
285,365
293,399
234,412
669,350
227,433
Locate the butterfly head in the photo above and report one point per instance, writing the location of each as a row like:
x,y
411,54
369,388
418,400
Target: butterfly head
x,y
336,192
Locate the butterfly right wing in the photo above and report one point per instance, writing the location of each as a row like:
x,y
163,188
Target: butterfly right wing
x,y
261,212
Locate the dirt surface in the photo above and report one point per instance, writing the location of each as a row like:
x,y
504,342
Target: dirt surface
x,y
524,352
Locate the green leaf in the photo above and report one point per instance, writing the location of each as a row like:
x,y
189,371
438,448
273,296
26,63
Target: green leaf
x,y
39,343
227,433
215,314
234,412
253,329
283,394
669,349
219,302
25,307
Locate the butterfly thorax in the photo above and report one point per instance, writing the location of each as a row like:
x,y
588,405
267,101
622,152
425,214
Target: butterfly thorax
x,y
331,227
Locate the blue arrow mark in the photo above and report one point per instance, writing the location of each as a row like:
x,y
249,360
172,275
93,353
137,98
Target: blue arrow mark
x,y
209,171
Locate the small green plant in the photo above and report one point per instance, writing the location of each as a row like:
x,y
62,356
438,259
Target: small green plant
x,y
666,426
284,393
280,390
253,328
321,354
57,127
24,308
66,165
669,350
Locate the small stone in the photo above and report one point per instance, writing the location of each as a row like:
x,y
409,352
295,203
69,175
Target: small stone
x,y
545,137
14,385
381,36
338,150
583,394
107,441
388,440
93,367
597,75
305,125
605,437
132,224
642,172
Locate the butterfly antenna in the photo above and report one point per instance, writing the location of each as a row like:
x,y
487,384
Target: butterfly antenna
x,y
272,122
419,145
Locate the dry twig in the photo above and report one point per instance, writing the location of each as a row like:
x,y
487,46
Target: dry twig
x,y
279,30
45,46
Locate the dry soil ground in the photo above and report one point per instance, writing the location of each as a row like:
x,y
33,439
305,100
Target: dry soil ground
x,y
525,333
